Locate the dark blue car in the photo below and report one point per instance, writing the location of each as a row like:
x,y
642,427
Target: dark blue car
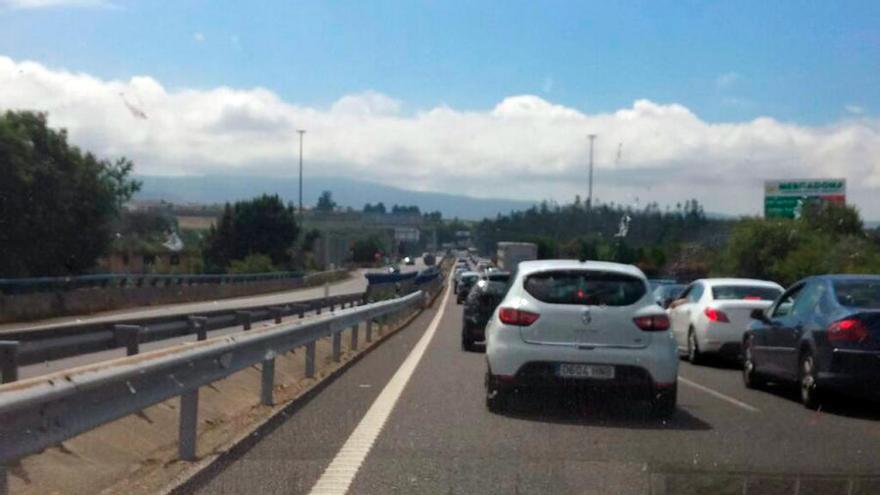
x,y
822,333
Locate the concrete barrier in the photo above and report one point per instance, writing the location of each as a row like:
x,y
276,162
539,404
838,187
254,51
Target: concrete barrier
x,y
35,306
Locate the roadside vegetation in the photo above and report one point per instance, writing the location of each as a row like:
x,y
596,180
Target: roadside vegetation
x,y
684,243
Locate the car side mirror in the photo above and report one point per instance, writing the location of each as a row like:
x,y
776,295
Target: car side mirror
x,y
758,314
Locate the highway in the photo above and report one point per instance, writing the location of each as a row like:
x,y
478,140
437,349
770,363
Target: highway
x,y
428,431
356,283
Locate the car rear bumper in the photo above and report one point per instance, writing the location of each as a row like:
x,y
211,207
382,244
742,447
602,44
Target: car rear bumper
x,y
508,355
853,371
632,381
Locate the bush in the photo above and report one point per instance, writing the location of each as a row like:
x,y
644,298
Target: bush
x,y
254,263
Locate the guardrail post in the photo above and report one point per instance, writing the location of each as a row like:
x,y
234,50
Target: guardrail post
x,y
199,326
310,360
369,330
354,336
320,305
9,363
276,312
130,337
189,420
244,319
337,346
302,311
267,383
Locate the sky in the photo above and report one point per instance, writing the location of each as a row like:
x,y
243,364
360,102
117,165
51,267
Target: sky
x,y
490,99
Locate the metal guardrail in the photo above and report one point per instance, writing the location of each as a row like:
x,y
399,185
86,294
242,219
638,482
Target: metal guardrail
x,y
20,348
48,284
41,412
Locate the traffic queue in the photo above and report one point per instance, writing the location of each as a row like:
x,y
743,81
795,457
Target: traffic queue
x,y
598,325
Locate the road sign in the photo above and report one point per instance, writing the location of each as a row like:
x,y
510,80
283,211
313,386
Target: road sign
x,y
785,198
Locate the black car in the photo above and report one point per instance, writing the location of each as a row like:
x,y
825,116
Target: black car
x,y
484,297
468,279
823,333
496,276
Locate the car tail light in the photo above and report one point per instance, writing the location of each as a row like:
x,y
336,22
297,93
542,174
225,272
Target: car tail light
x,y
849,330
518,317
716,315
657,323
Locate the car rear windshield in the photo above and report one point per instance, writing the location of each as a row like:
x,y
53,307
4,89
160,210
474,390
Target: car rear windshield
x,y
729,292
589,288
469,279
499,277
858,293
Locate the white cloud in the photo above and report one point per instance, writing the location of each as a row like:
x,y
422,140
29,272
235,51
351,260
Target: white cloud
x,y
524,147
199,37
41,4
728,80
855,109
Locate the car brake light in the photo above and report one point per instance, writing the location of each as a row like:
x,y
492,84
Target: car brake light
x,y
656,323
849,330
716,315
752,298
518,317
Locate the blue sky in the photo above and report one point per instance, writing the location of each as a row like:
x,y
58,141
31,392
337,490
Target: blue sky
x,y
690,99
797,61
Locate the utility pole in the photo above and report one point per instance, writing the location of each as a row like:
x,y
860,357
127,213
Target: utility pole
x,y
590,194
301,132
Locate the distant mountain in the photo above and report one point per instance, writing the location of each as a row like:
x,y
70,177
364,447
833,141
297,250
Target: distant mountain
x,y
346,192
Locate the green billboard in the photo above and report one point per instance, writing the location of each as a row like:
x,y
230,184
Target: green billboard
x,y
784,198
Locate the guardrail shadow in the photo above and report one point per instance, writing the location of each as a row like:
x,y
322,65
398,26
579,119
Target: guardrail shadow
x,y
594,409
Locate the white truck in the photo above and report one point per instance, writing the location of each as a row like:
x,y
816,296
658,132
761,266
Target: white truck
x,y
511,253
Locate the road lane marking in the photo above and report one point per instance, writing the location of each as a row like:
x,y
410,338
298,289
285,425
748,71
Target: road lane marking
x,y
719,395
340,473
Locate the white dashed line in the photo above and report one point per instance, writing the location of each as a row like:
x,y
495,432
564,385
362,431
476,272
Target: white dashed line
x,y
719,395
341,472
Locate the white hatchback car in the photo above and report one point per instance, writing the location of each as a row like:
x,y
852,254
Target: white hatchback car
x,y
574,323
711,315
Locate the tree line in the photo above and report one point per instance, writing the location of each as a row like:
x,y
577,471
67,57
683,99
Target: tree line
x,y
683,242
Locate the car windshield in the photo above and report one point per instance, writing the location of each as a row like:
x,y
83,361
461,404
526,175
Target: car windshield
x,y
858,293
589,288
755,293
454,247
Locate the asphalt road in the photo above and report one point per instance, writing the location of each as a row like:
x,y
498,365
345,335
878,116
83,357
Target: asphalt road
x,y
439,437
357,283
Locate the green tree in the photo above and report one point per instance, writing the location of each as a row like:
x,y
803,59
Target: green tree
x,y
57,203
364,250
325,202
263,225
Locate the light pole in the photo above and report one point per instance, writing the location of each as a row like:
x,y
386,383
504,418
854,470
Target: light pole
x,y
301,132
590,193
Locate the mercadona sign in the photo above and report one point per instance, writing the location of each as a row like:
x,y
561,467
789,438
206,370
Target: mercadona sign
x,y
784,198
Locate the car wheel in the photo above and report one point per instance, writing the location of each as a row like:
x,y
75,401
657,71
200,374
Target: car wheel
x,y
693,350
497,398
664,403
810,394
751,378
467,343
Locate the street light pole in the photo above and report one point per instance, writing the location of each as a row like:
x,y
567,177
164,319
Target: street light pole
x,y
590,194
301,132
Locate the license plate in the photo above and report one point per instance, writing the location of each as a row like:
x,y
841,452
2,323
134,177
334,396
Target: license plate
x,y
600,372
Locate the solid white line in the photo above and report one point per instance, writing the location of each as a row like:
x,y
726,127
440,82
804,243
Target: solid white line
x,y
719,395
341,472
